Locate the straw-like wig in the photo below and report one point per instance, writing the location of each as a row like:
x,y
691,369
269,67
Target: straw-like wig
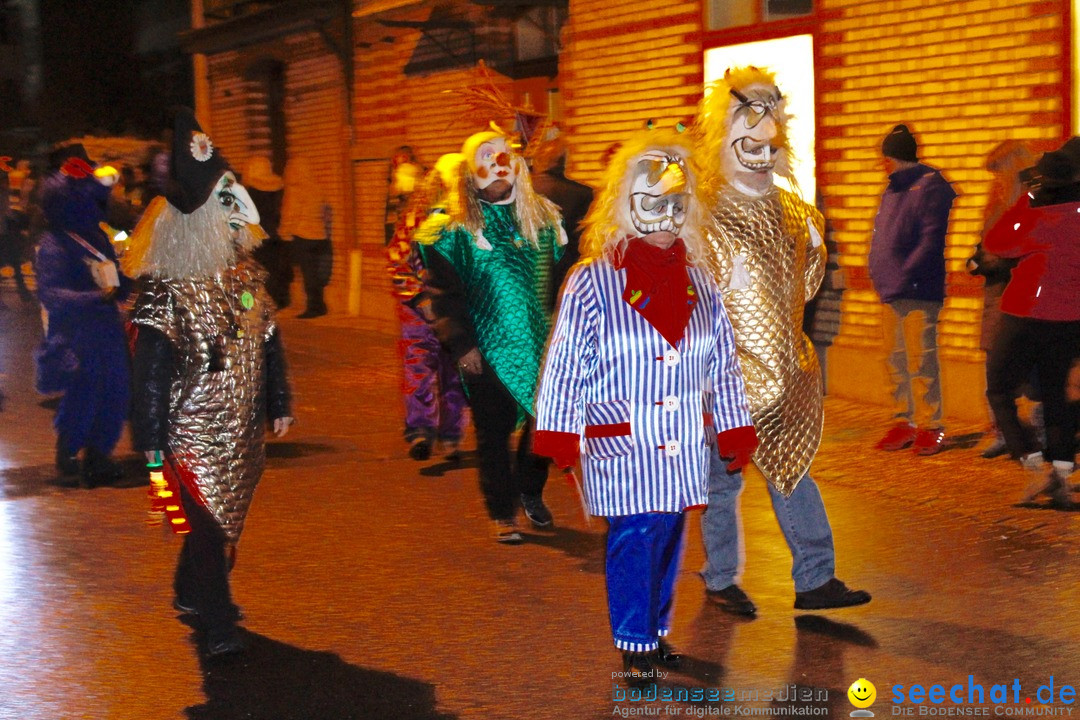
x,y
534,212
170,244
608,226
716,112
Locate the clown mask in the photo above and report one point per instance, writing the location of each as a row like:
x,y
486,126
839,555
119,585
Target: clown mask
x,y
658,193
494,166
754,139
235,202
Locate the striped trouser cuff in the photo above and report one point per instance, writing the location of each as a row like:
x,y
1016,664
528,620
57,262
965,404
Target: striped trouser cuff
x,y
663,632
629,646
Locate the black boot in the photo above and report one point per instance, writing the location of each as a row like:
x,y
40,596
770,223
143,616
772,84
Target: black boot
x,y
639,668
667,656
98,469
67,462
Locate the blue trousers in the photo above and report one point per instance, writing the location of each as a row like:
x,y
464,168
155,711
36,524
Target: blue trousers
x,y
95,406
642,564
801,517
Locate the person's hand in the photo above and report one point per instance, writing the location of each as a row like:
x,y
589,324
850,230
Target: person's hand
x,y
471,363
737,444
281,425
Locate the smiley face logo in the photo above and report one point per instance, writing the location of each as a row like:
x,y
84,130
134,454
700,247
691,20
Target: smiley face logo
x,y
862,693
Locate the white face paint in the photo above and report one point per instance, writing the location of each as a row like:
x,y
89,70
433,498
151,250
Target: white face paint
x,y
754,138
658,193
235,202
496,166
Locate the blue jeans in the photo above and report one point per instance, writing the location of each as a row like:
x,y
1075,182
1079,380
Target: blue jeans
x,y
801,517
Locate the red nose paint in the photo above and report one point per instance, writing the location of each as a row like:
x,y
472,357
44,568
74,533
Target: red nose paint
x,y
502,159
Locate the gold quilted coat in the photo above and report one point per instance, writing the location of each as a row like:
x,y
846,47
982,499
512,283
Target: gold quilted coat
x,y
217,327
769,237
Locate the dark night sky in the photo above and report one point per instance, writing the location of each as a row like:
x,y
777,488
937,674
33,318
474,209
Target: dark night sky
x,y
93,80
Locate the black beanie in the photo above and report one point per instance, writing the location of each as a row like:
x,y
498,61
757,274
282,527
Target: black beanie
x,y
195,165
900,144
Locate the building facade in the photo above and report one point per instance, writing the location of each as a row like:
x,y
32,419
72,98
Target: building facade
x,y
346,82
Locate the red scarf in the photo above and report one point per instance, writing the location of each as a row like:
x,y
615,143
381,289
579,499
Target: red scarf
x,y
658,286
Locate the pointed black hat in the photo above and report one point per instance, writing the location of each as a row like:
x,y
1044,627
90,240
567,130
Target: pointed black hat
x,y
195,165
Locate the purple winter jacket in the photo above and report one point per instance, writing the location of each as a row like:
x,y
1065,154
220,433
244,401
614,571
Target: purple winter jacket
x,y
907,254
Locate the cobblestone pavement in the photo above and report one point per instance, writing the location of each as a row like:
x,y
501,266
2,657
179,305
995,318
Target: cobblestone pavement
x,y
372,589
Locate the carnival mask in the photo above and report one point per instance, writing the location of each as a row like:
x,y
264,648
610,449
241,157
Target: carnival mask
x,y
659,194
755,137
235,202
495,167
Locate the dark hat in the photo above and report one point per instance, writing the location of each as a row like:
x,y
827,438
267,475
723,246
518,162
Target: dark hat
x,y
195,165
62,153
1054,170
900,144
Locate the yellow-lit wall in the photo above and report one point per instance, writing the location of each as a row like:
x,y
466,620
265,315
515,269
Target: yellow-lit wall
x,y
313,118
964,75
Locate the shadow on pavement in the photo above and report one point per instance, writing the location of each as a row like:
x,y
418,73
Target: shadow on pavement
x,y
275,681
33,480
468,460
587,547
963,442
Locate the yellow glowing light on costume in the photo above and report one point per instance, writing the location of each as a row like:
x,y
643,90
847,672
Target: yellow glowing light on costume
x,y
792,60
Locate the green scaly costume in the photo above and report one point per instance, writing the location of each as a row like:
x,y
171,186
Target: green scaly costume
x,y
505,290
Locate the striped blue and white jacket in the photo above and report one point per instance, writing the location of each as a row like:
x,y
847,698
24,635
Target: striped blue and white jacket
x,y
648,412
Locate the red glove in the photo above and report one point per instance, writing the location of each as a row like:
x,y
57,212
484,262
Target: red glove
x,y
739,444
562,447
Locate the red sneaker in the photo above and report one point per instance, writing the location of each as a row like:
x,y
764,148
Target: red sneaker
x,y
929,441
901,436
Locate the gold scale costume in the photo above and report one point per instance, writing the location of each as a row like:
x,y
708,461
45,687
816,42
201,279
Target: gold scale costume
x,y
771,237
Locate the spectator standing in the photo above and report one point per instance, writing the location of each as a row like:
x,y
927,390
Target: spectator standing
x,y
907,266
306,219
266,189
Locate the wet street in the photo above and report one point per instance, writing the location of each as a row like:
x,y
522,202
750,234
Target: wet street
x,y
373,589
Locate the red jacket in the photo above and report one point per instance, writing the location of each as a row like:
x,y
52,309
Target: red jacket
x,y
1045,285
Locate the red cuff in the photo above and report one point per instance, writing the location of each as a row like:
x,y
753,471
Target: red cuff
x,y
562,447
737,444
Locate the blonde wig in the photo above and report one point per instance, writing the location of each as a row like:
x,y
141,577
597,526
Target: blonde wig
x,y
170,244
608,226
716,113
534,212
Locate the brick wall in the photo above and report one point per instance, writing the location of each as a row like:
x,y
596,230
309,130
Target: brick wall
x,y
963,75
313,118
624,63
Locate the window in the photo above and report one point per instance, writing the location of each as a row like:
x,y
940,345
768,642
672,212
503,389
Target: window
x,y
734,13
792,60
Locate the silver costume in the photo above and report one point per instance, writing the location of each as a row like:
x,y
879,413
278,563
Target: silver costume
x,y
217,328
770,238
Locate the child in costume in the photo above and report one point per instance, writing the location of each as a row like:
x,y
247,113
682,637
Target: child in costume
x,y
209,367
489,272
434,398
85,354
642,364
767,245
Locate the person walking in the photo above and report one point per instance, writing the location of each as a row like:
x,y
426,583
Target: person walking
x,y
306,220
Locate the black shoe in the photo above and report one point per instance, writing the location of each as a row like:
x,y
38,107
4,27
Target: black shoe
x,y
833,594
228,644
184,607
995,449
536,510
639,668
67,462
667,656
420,449
98,469
733,600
